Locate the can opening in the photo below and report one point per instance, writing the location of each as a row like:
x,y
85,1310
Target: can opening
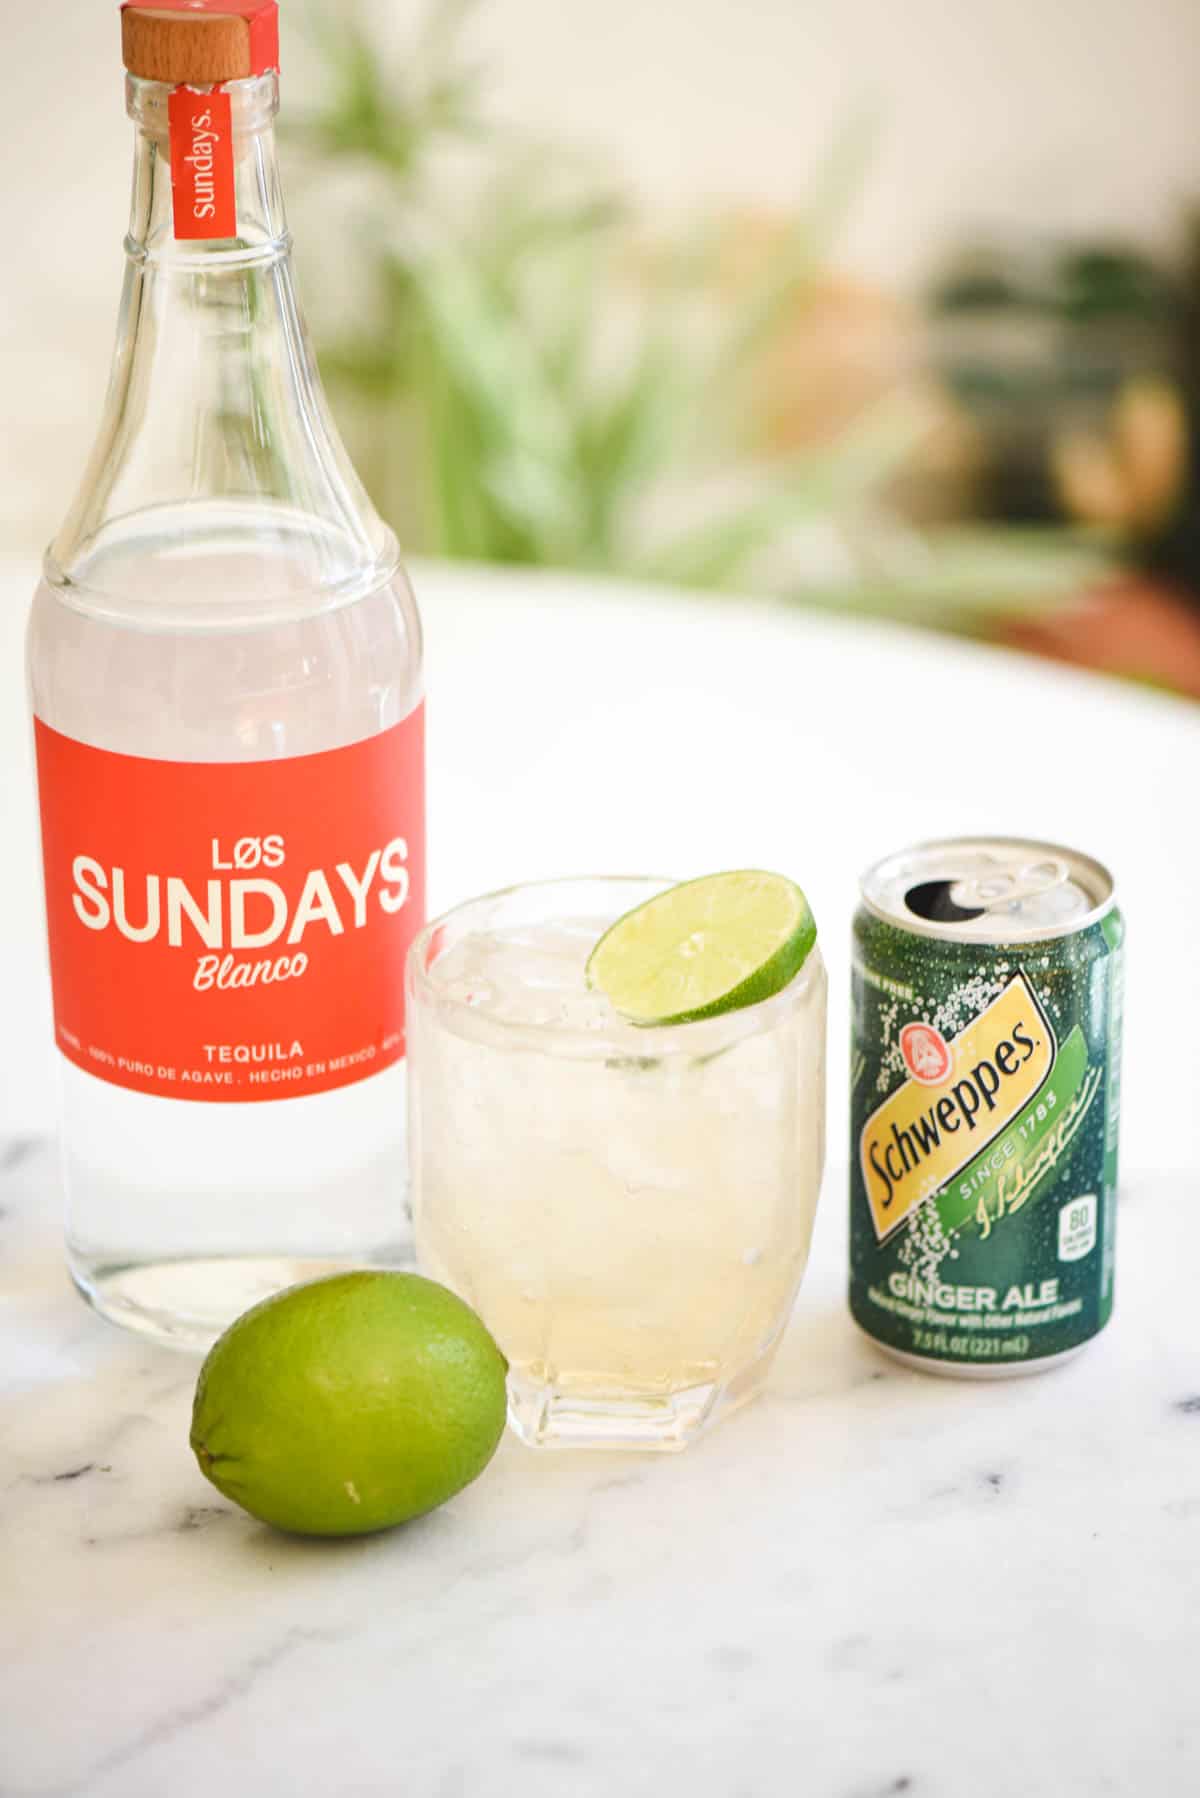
x,y
931,900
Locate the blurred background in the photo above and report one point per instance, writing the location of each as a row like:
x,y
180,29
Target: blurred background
x,y
886,309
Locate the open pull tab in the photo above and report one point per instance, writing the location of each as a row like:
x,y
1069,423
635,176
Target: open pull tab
x,y
991,889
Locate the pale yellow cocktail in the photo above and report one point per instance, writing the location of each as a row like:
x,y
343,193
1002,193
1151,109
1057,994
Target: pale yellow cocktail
x,y
629,1209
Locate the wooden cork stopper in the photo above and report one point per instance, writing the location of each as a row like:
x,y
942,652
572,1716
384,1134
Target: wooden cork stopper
x,y
197,42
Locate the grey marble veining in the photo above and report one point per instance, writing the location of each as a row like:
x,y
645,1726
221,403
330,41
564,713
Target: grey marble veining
x,y
873,1583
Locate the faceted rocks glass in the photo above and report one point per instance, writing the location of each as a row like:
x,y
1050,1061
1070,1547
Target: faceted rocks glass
x,y
628,1209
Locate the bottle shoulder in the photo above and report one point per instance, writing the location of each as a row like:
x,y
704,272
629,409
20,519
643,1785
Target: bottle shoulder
x,y
221,565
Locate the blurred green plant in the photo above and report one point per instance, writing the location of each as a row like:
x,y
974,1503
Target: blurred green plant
x,y
520,378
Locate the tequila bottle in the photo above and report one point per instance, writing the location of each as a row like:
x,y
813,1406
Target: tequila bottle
x,y
225,670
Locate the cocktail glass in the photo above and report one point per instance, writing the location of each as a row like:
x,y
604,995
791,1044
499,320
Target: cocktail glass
x,y
628,1209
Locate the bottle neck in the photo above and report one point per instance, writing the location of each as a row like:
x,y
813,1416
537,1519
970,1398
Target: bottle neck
x,y
216,448
262,233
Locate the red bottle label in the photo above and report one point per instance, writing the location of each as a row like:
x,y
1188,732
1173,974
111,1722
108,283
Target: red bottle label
x,y
233,930
203,197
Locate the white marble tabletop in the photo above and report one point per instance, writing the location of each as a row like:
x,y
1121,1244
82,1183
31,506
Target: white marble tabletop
x,y
871,1583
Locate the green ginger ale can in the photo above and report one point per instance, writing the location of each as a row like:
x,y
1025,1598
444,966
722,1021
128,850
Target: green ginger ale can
x,y
985,1097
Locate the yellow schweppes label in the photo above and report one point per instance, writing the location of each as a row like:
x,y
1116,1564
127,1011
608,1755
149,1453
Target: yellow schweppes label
x,y
959,1096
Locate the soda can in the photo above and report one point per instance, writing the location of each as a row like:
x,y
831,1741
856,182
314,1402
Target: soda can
x,y
985,1097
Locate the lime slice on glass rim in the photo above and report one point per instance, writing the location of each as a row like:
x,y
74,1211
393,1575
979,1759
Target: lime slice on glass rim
x,y
705,947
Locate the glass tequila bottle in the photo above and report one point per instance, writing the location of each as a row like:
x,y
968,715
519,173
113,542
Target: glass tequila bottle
x,y
225,670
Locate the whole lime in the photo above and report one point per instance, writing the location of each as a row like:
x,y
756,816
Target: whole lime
x,y
349,1404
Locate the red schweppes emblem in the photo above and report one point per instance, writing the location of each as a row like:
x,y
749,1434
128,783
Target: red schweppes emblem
x,y
925,1052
